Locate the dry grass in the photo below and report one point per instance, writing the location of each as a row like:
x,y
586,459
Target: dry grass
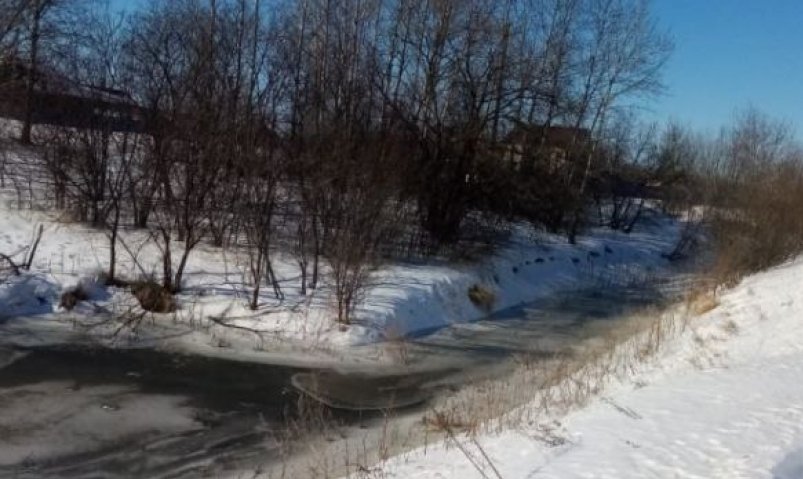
x,y
701,301
448,421
482,297
317,445
540,387
69,216
761,223
397,344
153,297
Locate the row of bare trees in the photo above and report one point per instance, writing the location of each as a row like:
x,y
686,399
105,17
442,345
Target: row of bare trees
x,y
740,190
337,131
757,180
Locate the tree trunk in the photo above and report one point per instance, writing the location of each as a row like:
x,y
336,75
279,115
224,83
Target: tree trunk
x,y
167,263
113,243
25,137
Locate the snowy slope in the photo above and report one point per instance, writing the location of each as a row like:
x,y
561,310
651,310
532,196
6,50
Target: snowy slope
x,y
401,298
723,400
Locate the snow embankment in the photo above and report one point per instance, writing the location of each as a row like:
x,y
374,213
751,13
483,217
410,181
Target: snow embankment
x,y
400,298
414,298
722,400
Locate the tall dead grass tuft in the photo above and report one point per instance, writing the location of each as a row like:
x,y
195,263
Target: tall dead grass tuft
x,y
702,300
540,387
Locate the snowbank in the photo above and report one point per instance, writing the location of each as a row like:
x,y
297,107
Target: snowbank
x,y
723,400
523,271
213,317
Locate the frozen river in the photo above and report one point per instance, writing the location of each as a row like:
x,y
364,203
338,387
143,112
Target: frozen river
x,y
141,413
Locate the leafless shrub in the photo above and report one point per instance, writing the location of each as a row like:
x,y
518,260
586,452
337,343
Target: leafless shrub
x,y
258,213
757,222
358,224
8,266
350,263
13,266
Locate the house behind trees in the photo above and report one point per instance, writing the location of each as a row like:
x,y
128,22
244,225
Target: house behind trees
x,y
541,147
61,101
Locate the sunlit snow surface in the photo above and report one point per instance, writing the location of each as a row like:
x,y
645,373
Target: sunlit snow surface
x,y
724,400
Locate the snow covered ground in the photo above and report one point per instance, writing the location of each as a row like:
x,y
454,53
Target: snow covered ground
x,y
724,399
401,298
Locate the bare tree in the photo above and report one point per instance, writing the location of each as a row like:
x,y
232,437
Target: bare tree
x,y
622,55
12,19
42,23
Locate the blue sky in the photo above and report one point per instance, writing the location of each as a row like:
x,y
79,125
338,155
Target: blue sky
x,y
730,54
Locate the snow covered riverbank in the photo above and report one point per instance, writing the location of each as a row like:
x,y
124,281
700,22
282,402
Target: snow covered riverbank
x,y
722,400
213,318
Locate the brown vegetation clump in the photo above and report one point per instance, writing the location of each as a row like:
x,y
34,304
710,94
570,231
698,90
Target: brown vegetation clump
x,y
73,296
701,302
153,297
449,421
481,297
